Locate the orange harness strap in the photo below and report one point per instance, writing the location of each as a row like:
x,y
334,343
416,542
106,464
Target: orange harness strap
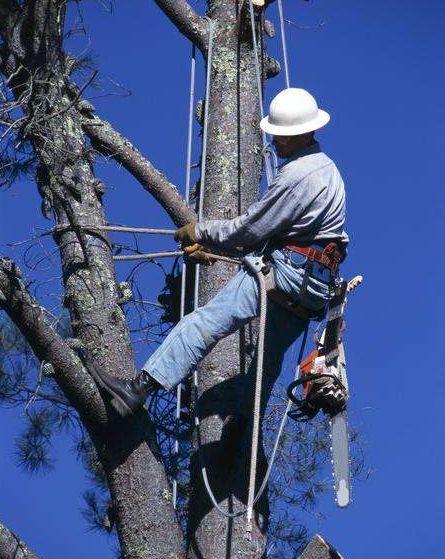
x,y
330,257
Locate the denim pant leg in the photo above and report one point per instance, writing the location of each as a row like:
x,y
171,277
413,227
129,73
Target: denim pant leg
x,y
198,332
282,330
289,273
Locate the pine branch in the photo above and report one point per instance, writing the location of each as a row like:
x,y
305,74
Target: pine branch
x,y
47,345
12,546
109,142
188,22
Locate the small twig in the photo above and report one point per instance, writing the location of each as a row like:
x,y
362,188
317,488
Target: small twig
x,y
35,392
306,27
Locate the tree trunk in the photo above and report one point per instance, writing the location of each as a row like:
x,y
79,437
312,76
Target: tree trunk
x,y
145,519
231,185
32,56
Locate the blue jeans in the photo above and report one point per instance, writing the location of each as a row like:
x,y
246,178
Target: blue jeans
x,y
234,306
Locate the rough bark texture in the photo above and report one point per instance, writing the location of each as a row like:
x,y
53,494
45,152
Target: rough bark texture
x,y
48,346
318,548
70,192
232,180
186,20
12,547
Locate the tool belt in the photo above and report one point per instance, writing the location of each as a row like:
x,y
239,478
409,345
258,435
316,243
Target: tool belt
x,y
330,257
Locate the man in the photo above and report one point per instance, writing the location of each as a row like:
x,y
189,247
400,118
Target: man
x,y
303,207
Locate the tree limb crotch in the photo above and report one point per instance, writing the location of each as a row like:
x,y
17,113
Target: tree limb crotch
x,y
107,141
47,345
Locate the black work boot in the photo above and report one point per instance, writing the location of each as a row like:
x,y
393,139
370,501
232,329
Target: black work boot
x,y
127,396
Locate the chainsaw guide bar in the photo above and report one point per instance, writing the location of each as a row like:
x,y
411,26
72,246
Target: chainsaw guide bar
x,y
324,384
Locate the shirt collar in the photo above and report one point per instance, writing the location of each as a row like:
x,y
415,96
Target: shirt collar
x,y
308,150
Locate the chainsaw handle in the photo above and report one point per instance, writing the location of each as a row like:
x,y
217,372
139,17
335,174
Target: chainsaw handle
x,y
308,378
300,381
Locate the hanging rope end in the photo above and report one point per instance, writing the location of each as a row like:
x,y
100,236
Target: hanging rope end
x,y
249,523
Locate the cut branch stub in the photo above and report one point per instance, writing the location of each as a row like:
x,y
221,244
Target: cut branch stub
x,y
318,548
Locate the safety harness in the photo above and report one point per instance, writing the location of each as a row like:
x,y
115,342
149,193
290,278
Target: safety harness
x,y
328,257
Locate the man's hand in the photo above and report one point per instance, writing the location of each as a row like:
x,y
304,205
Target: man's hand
x,y
199,254
186,235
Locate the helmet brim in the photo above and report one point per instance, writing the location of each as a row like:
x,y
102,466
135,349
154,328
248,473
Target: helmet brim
x,y
318,122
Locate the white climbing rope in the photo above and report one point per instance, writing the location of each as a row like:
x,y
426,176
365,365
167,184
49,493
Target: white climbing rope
x,y
184,262
283,44
258,387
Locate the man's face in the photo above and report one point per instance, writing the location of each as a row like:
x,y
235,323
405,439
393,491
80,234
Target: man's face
x,y
287,145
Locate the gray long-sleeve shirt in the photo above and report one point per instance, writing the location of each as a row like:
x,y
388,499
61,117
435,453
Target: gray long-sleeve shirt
x,y
305,203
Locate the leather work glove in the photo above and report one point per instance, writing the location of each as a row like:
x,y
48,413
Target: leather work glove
x,y
199,254
186,234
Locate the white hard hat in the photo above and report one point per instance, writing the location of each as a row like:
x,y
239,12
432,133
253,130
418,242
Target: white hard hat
x,y
292,112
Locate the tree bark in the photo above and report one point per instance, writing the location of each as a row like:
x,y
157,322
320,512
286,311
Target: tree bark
x,y
186,20
145,519
48,346
232,181
318,548
12,547
33,58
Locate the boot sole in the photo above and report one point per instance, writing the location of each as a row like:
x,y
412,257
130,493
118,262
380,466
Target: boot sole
x,y
116,402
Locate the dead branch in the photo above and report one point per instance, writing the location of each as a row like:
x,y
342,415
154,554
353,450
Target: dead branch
x,y
47,345
12,546
188,22
109,142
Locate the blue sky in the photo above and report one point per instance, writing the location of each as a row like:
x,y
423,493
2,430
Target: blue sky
x,y
377,67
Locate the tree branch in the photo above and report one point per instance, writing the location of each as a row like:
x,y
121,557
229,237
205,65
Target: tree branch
x,y
188,22
77,385
109,142
12,547
318,548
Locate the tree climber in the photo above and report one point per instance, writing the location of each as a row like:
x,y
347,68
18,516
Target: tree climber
x,y
302,211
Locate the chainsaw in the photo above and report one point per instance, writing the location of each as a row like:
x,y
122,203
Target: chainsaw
x,y
322,385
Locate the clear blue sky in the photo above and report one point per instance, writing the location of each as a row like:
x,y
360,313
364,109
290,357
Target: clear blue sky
x,y
378,68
